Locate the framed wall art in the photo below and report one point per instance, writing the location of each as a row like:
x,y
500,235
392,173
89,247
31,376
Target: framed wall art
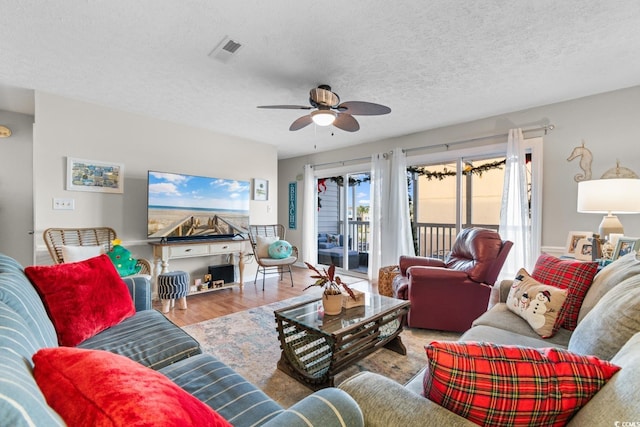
x,y
584,250
92,175
260,189
572,241
625,246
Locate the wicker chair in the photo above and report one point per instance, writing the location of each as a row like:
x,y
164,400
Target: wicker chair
x,y
267,265
56,238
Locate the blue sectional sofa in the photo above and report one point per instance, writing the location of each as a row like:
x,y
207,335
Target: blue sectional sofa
x,y
150,339
331,251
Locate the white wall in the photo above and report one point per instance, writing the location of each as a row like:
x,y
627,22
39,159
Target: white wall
x,y
66,127
16,183
608,124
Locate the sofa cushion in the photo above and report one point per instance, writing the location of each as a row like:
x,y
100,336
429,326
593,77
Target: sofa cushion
x,y
9,265
16,292
15,334
21,401
611,323
223,389
538,304
576,276
611,275
495,385
82,298
618,399
151,340
501,318
326,245
91,387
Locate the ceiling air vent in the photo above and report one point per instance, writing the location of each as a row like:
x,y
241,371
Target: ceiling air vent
x,y
226,49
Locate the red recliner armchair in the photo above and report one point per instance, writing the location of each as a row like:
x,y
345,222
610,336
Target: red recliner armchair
x,y
449,295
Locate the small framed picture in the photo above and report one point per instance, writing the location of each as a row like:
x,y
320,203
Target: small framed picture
x,y
584,250
260,189
572,242
625,246
91,175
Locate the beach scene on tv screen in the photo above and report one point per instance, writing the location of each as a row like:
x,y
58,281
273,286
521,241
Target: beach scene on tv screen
x,y
183,206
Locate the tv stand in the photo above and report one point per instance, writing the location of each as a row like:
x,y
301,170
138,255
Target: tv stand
x,y
163,252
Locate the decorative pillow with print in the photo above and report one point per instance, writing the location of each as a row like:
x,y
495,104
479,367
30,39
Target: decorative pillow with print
x,y
536,303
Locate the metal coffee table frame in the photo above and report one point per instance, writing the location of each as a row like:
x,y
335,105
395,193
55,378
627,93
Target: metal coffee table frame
x,y
315,347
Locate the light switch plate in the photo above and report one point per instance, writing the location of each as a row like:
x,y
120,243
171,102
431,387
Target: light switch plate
x,y
64,204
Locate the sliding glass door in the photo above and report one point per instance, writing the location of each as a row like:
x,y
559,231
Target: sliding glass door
x,y
464,189
342,220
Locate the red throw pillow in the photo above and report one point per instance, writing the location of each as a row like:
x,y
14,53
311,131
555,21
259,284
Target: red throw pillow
x,y
576,276
82,298
496,385
98,388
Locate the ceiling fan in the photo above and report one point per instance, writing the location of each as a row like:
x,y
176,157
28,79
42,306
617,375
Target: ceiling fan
x,y
329,111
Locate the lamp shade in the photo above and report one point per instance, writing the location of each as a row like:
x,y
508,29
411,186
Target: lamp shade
x,y
616,195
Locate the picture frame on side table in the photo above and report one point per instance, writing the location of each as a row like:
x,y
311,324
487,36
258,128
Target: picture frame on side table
x,y
260,189
96,176
624,246
572,242
584,250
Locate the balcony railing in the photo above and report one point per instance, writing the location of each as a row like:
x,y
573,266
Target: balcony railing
x,y
432,240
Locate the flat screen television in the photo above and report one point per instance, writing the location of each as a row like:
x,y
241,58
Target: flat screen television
x,y
189,207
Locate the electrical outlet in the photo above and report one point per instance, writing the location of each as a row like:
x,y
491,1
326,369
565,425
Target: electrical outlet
x,y
64,204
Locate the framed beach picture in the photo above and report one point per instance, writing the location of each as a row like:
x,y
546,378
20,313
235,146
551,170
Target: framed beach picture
x,y
260,189
92,175
625,246
572,241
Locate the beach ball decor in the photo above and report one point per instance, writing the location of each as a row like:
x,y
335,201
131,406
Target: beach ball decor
x,y
280,249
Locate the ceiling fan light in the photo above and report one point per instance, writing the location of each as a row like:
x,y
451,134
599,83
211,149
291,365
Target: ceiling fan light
x,y
323,117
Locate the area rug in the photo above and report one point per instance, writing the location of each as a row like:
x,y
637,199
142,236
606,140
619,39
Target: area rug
x,y
247,341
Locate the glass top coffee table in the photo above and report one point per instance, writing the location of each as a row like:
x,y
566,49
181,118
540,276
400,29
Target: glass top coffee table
x,y
315,347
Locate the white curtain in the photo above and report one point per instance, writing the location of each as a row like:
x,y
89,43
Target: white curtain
x,y
309,239
514,211
390,223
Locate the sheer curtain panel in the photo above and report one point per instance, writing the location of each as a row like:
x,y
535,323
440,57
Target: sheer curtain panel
x,y
515,224
309,239
391,234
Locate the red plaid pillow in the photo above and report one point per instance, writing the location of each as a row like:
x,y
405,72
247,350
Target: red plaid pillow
x,y
576,276
496,385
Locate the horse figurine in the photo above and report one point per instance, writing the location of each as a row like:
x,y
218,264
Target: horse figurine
x,y
585,162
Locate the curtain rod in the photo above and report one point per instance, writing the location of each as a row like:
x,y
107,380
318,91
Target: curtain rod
x,y
545,128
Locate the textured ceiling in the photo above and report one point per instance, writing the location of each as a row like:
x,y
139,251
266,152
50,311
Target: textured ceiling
x,y
434,63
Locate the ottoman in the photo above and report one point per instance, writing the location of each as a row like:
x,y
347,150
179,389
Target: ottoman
x,y
172,286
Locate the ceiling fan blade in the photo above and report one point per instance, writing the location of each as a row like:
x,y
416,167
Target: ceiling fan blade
x,y
286,107
361,108
300,123
346,122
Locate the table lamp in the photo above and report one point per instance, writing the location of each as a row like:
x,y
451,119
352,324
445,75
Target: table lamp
x,y
609,196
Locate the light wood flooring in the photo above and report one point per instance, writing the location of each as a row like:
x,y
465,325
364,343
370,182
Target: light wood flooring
x,y
226,301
